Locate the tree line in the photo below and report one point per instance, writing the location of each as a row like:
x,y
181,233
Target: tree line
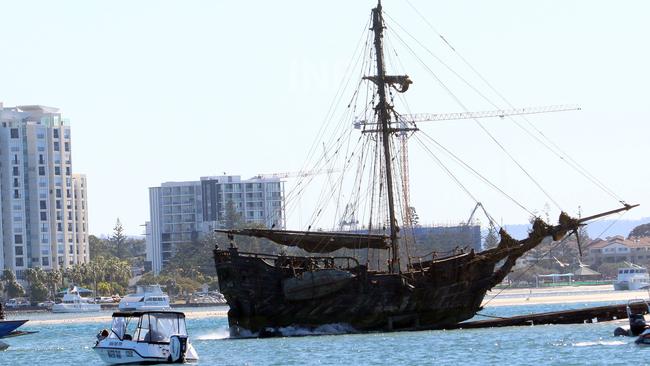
x,y
105,276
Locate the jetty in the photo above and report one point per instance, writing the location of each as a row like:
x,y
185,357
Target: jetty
x,y
575,316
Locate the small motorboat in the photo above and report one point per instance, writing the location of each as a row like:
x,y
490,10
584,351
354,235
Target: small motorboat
x,y
145,337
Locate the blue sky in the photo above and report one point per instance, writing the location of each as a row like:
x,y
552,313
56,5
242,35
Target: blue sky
x,y
173,90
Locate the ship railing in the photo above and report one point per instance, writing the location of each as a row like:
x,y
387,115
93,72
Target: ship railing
x,y
309,262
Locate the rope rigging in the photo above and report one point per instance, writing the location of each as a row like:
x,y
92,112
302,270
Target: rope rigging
x,y
359,194
554,148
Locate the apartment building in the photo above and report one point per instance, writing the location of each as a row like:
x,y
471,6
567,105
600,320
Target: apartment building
x,y
181,212
618,249
44,221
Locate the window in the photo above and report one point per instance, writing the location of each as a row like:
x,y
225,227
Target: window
x,y
56,145
45,261
16,194
56,134
19,262
57,170
41,170
16,183
43,205
43,216
40,159
16,172
58,193
18,239
14,133
66,146
67,170
59,227
19,250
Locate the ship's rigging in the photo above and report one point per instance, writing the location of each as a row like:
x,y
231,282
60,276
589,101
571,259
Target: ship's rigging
x,y
374,167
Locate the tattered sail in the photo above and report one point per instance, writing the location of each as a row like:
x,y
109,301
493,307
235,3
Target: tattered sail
x,y
319,241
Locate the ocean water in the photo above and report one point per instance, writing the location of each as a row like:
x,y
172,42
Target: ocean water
x,y
67,339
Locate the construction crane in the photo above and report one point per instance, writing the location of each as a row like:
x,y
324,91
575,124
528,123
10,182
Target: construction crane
x,y
406,124
502,113
304,173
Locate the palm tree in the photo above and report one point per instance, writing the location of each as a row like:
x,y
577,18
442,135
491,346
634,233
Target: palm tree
x,y
30,276
95,272
53,279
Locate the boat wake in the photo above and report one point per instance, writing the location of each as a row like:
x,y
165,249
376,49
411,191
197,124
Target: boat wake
x,y
222,333
599,343
297,331
325,329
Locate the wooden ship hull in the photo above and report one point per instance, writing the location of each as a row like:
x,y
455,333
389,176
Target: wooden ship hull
x,y
430,295
253,288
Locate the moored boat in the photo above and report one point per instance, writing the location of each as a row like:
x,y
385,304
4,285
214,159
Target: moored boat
x,y
147,297
73,302
632,277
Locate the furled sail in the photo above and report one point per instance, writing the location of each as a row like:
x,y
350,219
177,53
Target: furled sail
x,y
317,242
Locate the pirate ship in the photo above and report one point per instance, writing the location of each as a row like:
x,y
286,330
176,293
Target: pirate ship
x,y
324,286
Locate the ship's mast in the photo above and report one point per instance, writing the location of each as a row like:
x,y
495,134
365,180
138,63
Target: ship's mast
x,y
382,111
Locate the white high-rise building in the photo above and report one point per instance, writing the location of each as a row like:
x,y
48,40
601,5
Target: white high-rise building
x,y
181,212
44,219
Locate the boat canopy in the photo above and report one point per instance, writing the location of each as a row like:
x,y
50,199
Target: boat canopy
x,y
317,242
148,326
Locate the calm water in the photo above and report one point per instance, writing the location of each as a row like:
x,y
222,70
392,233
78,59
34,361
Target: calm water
x,y
68,340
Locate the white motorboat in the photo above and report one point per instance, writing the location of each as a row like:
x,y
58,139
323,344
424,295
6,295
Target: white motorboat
x,y
74,303
146,337
632,277
146,298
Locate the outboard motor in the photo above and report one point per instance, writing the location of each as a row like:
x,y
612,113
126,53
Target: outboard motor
x,y
177,348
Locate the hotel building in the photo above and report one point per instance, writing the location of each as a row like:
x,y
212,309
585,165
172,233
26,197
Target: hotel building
x,y
44,221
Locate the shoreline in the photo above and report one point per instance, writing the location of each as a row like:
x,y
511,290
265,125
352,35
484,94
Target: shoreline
x,y
494,298
560,295
106,317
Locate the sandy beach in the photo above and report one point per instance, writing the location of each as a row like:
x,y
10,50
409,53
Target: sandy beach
x,y
560,295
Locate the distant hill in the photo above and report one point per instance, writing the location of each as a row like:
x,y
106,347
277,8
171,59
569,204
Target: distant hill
x,y
597,229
